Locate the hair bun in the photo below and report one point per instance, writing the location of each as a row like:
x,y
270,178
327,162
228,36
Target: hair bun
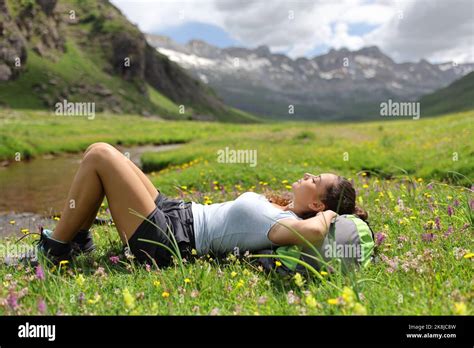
x,y
361,213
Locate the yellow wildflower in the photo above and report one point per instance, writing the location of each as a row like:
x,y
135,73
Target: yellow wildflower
x,y
233,274
299,279
468,256
157,283
348,295
277,263
333,301
460,308
359,309
95,299
80,280
128,299
311,301
165,294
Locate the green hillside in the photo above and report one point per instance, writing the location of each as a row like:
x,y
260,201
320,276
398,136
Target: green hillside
x,y
87,51
458,96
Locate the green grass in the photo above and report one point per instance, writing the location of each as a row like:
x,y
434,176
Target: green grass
x,y
166,104
401,171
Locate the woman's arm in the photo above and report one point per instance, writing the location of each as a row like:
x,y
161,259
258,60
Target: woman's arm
x,y
313,230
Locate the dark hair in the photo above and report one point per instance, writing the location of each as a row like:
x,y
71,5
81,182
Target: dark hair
x,y
341,198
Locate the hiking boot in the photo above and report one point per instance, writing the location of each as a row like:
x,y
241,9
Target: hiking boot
x,y
83,242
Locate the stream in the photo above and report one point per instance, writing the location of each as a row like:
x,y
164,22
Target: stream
x,y
34,189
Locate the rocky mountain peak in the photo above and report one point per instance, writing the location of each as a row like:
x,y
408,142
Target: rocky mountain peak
x,y
262,51
324,84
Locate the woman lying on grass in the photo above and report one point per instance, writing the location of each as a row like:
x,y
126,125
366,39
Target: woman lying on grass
x,y
247,223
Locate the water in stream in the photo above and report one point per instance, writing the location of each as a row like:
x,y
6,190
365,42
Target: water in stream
x,y
41,185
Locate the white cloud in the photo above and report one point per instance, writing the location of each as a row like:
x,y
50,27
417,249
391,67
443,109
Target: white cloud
x,y
152,15
341,38
437,30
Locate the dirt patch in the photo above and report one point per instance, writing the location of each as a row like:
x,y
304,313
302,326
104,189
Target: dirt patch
x,y
13,224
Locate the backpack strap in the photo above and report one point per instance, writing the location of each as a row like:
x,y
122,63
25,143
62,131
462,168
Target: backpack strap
x,y
366,240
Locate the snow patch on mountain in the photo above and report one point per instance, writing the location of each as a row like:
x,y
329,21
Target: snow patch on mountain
x,y
364,60
369,73
186,60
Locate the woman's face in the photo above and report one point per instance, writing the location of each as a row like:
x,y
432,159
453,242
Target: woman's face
x,y
310,190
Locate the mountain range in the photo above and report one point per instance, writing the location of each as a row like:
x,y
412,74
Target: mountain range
x,y
340,84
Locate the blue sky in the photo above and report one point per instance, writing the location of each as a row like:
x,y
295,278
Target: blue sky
x,y
359,29
194,30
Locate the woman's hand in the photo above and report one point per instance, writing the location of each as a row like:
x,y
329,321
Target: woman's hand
x,y
327,216
312,230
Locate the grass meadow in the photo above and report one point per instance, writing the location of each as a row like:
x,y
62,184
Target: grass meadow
x,y
414,177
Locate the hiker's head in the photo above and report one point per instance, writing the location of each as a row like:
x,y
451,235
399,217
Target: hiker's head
x,y
327,191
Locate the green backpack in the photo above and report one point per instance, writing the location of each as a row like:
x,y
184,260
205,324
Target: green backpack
x,y
349,239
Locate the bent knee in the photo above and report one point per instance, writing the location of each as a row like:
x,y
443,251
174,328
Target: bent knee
x,y
94,145
99,152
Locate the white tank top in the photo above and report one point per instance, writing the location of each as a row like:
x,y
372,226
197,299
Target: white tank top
x,y
243,223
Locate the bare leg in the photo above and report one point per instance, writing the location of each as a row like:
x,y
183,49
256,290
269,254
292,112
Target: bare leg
x,y
105,170
149,186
